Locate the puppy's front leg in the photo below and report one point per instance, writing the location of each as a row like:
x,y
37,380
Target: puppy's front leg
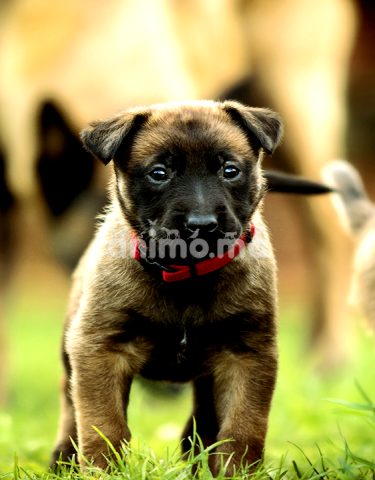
x,y
204,415
101,380
205,418
244,384
67,428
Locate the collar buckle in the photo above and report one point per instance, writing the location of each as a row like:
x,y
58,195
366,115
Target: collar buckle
x,y
143,251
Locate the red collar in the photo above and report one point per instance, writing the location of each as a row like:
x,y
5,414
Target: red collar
x,y
181,272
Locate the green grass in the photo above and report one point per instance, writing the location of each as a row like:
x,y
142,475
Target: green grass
x,y
301,417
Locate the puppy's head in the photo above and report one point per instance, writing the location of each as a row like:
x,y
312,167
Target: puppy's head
x,y
191,167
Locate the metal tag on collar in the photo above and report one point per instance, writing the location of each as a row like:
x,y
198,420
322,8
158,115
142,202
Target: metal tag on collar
x,y
163,267
144,256
248,235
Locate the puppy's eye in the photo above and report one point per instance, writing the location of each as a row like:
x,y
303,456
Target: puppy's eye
x,y
159,174
231,172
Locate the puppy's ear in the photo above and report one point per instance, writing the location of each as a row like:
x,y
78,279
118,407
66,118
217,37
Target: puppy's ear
x,y
263,127
104,137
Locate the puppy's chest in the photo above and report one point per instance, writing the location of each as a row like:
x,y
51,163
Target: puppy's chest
x,y
184,350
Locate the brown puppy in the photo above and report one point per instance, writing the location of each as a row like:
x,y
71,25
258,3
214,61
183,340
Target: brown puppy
x,y
193,168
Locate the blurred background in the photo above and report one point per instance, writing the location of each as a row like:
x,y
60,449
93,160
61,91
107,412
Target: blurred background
x,y
67,62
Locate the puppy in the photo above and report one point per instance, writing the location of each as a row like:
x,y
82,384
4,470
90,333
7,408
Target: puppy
x,y
204,312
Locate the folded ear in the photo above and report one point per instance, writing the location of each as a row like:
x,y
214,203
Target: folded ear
x,y
104,137
263,126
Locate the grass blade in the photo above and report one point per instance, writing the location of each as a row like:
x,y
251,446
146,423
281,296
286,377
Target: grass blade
x,y
312,466
355,406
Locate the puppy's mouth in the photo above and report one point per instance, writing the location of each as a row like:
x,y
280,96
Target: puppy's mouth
x,y
171,246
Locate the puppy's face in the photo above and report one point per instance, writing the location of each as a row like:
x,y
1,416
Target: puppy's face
x,y
191,167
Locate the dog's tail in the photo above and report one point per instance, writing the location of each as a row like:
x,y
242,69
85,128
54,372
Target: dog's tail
x,y
352,204
288,183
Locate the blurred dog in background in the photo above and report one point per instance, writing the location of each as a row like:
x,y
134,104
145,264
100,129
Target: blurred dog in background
x,y
66,62
357,213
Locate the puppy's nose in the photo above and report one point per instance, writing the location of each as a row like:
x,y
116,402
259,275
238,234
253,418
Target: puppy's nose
x,y
206,223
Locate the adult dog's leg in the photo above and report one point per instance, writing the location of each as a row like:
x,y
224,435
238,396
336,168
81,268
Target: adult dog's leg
x,y
303,74
7,257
